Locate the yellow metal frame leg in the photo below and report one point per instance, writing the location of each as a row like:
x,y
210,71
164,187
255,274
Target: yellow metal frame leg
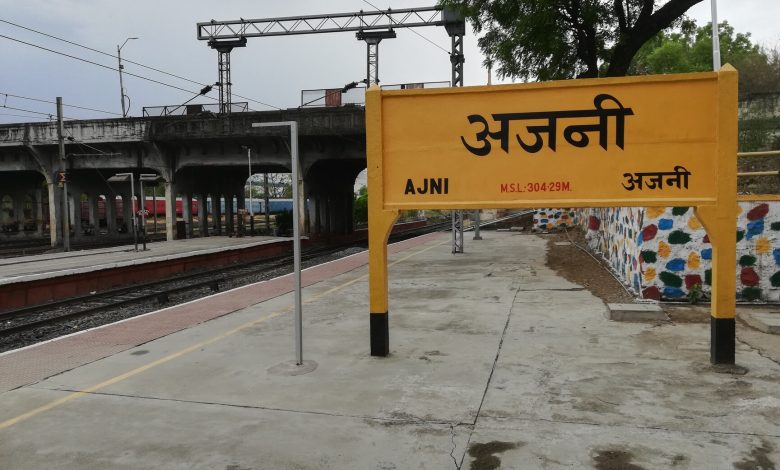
x,y
379,229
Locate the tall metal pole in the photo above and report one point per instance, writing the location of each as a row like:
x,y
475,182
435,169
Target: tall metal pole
x,y
251,209
456,32
63,169
143,213
715,37
154,207
121,84
267,203
132,211
297,244
298,319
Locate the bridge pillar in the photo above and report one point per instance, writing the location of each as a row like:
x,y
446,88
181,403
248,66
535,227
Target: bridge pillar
x,y
170,210
203,219
186,212
323,215
55,203
127,211
38,212
317,229
216,205
329,216
94,221
329,186
241,206
110,205
74,209
229,227
19,210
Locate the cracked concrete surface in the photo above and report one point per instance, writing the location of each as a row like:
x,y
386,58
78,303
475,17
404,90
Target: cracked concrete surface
x,y
496,363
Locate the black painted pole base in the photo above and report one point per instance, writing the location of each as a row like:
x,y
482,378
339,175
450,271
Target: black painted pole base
x,y
380,335
722,340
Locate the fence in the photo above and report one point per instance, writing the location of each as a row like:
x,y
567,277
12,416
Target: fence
x,y
336,97
192,109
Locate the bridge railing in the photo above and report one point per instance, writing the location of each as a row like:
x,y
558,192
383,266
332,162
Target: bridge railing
x,y
336,97
191,109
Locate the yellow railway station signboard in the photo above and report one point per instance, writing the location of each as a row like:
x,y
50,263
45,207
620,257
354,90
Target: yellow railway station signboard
x,y
667,140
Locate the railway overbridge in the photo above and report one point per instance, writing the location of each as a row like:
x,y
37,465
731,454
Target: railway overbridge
x,y
196,156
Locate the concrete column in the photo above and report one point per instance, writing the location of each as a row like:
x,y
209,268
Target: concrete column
x,y
186,212
216,204
328,215
75,214
127,211
55,214
343,214
318,208
301,205
94,221
203,212
306,216
350,215
243,226
229,213
309,209
110,204
170,211
38,212
338,213
19,210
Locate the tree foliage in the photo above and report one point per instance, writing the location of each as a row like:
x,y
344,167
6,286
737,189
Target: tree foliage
x,y
279,185
360,206
689,49
560,39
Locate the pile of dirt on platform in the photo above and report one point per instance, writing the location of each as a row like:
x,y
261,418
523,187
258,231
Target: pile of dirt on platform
x,y
578,267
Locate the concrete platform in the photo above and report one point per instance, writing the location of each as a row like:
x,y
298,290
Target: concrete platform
x,y
39,279
496,363
36,267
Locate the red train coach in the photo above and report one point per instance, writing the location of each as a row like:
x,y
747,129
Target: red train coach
x,y
149,204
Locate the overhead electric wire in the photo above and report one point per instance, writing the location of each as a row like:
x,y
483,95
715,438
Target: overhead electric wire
x,y
63,104
108,67
94,63
21,115
51,115
410,29
130,62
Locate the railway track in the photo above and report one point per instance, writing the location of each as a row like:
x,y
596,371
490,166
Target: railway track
x,y
161,292
32,324
28,325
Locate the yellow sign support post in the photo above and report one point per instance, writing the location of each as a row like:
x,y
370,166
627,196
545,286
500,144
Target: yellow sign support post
x,y
666,140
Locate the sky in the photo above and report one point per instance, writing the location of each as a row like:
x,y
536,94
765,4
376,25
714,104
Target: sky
x,y
269,70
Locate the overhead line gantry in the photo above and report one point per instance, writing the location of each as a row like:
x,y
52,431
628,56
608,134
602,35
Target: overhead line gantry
x,y
369,26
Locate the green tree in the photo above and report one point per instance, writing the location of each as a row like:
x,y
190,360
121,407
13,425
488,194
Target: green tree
x,y
559,39
360,206
690,50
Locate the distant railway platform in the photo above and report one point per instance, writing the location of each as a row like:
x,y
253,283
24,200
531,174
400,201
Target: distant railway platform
x,y
495,362
37,279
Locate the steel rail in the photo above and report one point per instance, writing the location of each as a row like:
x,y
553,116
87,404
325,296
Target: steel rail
x,y
121,296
